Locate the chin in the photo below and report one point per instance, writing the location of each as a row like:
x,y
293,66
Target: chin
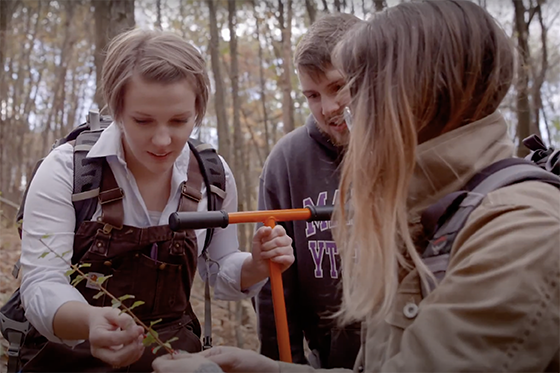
x,y
158,168
339,139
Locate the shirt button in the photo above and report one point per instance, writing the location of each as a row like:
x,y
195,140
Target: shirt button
x,y
410,310
360,368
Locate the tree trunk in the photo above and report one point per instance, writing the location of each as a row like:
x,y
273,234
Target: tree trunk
x,y
287,104
53,120
262,84
237,136
337,6
6,8
112,17
5,16
522,99
158,14
237,153
539,77
311,11
219,98
379,5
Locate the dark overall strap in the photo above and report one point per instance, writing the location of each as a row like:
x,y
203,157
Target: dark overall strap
x,y
111,200
190,190
444,220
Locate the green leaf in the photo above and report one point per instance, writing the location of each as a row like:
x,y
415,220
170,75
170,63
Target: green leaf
x,y
115,303
152,323
102,279
153,333
77,280
125,297
70,272
65,253
155,349
84,265
138,303
98,295
171,340
148,340
44,255
46,236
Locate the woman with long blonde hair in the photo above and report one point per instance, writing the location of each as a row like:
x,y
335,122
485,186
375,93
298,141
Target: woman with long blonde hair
x,y
425,81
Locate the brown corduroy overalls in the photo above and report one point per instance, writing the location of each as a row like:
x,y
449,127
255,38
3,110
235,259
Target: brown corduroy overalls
x,y
154,264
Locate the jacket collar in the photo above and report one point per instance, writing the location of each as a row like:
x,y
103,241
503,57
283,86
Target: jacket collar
x,y
446,163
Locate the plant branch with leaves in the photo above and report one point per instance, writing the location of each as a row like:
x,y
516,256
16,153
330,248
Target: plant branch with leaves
x,y
151,336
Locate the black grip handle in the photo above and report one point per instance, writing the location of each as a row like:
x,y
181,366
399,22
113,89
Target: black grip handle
x,y
179,221
319,213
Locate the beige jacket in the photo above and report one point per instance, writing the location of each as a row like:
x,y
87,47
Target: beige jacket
x,y
497,309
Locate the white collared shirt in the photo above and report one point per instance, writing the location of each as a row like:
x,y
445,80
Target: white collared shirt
x,y
49,216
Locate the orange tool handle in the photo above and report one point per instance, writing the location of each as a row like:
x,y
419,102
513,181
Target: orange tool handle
x,y
220,219
279,305
215,219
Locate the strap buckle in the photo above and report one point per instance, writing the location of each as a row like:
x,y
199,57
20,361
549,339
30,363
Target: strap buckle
x,y
206,343
15,332
191,193
110,195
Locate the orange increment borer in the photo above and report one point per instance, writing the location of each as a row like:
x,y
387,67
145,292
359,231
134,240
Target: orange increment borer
x,y
220,219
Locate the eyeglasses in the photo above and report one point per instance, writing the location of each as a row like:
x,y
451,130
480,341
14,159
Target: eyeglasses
x,y
347,117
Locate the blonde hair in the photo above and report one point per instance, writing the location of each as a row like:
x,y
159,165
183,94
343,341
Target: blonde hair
x,y
414,71
156,56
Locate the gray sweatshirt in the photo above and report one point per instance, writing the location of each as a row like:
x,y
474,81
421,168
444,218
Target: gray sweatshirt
x,y
302,170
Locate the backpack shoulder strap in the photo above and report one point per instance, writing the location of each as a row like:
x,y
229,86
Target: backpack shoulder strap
x,y
214,177
87,177
444,220
78,137
88,172
63,140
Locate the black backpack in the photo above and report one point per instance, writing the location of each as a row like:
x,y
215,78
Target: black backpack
x,y
443,220
87,180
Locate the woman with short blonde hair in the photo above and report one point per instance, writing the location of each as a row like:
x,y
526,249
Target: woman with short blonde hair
x,y
156,87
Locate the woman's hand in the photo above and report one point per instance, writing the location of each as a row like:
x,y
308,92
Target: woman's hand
x,y
268,244
184,362
233,359
115,338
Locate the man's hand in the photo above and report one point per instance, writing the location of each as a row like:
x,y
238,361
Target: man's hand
x,y
269,244
233,359
184,362
114,338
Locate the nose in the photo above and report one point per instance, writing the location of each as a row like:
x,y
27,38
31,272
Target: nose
x,y
330,105
161,137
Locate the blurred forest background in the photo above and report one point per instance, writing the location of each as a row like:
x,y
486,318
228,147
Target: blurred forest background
x,y
51,52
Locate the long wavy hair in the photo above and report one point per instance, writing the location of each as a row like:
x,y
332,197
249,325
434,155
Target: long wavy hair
x,y
414,72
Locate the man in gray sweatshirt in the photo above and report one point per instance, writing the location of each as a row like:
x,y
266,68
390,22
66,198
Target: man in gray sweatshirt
x,y
303,170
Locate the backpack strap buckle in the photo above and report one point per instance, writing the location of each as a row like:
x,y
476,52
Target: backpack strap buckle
x,y
15,333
